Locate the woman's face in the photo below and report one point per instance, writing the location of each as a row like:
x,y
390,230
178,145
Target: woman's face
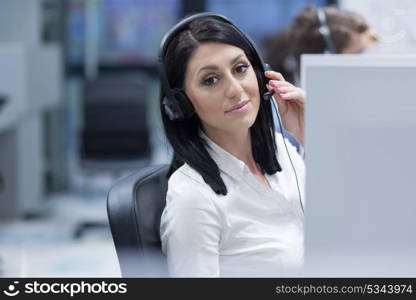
x,y
359,43
222,86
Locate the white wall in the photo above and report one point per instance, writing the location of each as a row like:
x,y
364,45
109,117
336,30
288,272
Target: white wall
x,y
31,77
20,20
394,21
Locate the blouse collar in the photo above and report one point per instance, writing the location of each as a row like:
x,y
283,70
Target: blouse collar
x,y
226,162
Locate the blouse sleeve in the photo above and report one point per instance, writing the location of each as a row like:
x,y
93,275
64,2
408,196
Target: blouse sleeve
x,y
190,230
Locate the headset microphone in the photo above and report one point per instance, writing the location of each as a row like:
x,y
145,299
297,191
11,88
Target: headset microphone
x,y
268,95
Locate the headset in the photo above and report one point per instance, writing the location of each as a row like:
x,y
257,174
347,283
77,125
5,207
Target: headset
x,y
176,104
325,31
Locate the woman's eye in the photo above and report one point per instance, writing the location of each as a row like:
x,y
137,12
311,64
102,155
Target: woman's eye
x,y
210,81
241,68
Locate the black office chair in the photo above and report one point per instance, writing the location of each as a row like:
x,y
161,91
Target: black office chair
x,y
115,126
115,136
3,101
134,207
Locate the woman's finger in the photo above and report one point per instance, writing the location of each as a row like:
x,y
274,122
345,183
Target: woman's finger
x,y
293,95
274,75
279,84
283,89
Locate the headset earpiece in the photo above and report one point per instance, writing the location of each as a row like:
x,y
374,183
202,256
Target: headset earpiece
x,y
178,107
184,104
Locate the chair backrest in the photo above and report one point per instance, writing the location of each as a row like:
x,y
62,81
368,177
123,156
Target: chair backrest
x,y
134,206
114,121
2,101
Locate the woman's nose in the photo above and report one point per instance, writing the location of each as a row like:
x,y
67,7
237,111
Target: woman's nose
x,y
233,88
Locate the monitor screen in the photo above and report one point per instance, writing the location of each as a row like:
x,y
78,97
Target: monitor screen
x,y
129,31
360,165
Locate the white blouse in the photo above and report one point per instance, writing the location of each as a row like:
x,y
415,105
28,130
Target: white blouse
x,y
252,231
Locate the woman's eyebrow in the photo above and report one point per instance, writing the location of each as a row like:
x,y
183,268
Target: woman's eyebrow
x,y
214,67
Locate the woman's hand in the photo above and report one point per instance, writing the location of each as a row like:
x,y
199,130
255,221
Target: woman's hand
x,y
291,103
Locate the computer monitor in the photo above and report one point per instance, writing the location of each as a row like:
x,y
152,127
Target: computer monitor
x,y
129,31
360,215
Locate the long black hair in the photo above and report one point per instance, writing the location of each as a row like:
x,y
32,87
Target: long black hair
x,y
189,147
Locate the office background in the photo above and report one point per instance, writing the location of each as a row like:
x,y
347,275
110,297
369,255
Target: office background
x,y
79,109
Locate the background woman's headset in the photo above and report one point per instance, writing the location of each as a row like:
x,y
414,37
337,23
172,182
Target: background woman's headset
x,y
325,31
176,104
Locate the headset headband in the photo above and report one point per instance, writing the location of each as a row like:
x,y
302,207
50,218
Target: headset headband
x,y
171,34
325,31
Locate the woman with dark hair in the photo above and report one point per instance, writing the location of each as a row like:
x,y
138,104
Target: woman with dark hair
x,y
348,32
233,205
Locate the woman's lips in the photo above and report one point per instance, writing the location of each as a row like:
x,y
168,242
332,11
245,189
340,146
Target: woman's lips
x,y
239,107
